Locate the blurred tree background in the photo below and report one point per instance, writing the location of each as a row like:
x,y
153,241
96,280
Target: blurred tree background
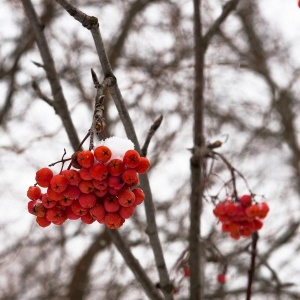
x,y
251,80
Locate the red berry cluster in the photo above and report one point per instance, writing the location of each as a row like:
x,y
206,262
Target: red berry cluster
x,y
97,188
241,218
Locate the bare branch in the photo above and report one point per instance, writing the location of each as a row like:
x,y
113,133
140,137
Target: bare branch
x,y
134,265
41,95
60,101
151,133
227,9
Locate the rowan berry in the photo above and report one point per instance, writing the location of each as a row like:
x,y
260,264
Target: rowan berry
x,y
102,154
113,220
143,166
58,183
86,187
230,208
115,181
99,171
72,192
101,193
88,219
186,271
257,224
221,278
126,198
72,176
34,193
84,174
55,215
126,212
111,204
42,221
115,167
70,213
263,209
130,177
87,200
98,212
78,209
246,200
139,196
66,201
113,191
85,158
43,177
100,185
53,195
131,159
219,210
47,202
36,208
252,211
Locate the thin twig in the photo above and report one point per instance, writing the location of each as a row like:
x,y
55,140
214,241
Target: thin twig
x,y
59,99
252,265
151,133
227,9
40,94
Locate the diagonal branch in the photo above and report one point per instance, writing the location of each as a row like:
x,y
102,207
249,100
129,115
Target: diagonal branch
x,y
227,9
59,98
134,265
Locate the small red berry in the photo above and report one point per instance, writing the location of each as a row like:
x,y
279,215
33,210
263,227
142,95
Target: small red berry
x,y
88,219
70,213
34,193
186,271
100,185
86,187
139,196
43,177
111,204
85,158
47,202
99,171
221,278
126,212
84,174
72,176
58,183
263,209
42,221
53,195
72,192
130,177
252,211
246,200
98,212
102,154
143,166
126,198
78,209
115,167
131,159
87,200
115,182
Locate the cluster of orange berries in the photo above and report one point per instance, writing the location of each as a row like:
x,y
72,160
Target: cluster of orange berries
x,y
98,188
241,218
